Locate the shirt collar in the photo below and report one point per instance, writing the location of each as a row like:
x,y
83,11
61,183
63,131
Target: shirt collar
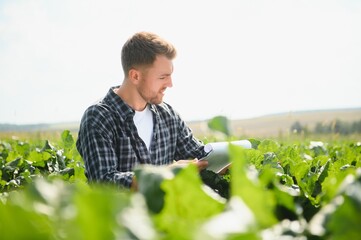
x,y
120,106
117,104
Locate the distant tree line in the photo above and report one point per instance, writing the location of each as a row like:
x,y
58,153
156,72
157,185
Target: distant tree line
x,y
335,127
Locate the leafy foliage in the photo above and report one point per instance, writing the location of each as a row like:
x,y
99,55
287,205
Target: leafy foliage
x,y
21,162
273,191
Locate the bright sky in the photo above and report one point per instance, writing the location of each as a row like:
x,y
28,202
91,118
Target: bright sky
x,y
235,58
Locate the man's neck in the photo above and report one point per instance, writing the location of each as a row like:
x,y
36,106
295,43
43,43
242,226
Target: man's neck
x,y
131,96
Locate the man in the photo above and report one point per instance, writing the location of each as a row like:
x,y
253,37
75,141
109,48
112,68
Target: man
x,y
132,125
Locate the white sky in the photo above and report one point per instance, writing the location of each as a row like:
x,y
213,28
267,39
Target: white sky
x,y
237,58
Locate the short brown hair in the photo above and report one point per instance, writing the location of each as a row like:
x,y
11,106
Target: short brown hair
x,y
142,48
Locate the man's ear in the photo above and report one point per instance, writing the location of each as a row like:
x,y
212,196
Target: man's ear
x,y
134,75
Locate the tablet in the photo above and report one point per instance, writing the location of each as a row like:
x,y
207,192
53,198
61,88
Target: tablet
x,y
218,156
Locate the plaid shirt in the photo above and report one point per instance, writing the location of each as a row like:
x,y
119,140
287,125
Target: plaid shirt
x,y
110,145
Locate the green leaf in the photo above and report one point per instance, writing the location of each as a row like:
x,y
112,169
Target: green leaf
x,y
345,221
38,158
18,222
268,145
47,146
341,217
254,142
187,204
12,155
149,180
261,202
98,211
219,123
235,222
13,164
67,139
22,148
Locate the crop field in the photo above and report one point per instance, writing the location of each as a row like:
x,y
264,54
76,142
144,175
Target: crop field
x,y
279,189
276,125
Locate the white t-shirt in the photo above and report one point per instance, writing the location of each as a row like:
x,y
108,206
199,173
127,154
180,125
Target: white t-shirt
x,y
143,120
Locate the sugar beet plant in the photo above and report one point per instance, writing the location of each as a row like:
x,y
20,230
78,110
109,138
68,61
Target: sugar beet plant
x,y
309,190
21,162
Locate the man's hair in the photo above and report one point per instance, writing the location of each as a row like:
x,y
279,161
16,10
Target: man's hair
x,y
142,49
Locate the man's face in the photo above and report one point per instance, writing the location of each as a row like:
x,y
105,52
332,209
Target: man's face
x,y
155,79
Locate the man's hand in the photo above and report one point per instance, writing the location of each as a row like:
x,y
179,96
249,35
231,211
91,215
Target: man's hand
x,y
201,164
